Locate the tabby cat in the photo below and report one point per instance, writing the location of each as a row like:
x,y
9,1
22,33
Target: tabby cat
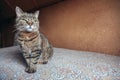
x,y
31,41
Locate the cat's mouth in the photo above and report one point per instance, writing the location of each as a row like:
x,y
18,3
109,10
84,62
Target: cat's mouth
x,y
29,28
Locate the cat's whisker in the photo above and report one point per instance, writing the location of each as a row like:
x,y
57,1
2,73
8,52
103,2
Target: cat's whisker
x,y
14,30
17,29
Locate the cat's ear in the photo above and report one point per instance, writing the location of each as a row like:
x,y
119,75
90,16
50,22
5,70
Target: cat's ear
x,y
19,11
36,14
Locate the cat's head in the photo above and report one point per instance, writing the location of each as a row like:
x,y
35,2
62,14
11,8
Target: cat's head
x,y
27,21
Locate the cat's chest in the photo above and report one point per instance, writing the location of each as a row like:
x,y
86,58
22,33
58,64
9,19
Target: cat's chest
x,y
27,35
29,40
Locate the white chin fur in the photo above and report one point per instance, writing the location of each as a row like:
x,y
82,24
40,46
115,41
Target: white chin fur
x,y
29,30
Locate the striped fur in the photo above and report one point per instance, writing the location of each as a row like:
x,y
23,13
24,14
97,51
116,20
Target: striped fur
x,y
34,45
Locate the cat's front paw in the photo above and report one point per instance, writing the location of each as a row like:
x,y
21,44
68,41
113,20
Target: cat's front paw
x,y
43,62
30,70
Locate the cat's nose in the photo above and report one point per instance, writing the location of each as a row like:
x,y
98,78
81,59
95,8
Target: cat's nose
x,y
30,23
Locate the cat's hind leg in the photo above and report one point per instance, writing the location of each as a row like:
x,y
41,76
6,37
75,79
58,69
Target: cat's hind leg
x,y
46,55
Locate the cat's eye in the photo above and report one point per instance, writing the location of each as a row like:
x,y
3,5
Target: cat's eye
x,y
35,20
24,20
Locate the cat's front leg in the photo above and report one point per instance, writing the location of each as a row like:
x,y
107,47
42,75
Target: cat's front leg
x,y
31,68
32,61
31,65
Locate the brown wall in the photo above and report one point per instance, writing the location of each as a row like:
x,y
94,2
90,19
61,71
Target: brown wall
x,y
92,25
